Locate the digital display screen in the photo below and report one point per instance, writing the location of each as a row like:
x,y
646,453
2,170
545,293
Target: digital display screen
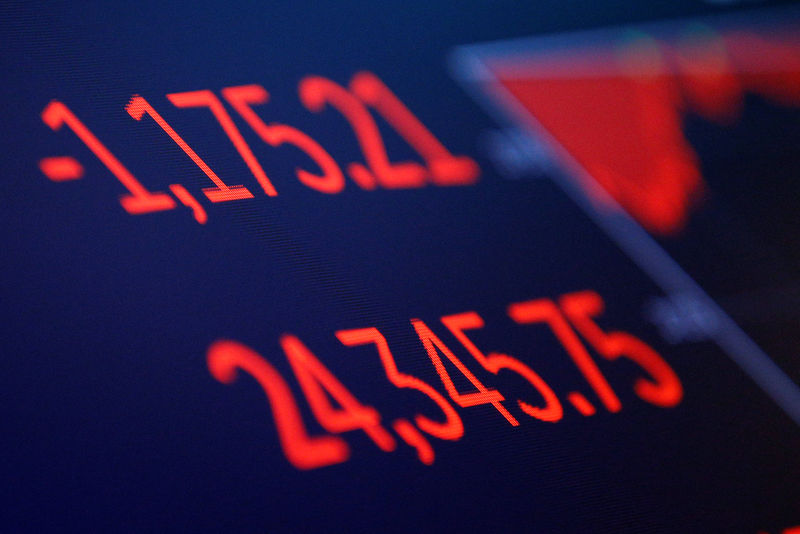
x,y
347,267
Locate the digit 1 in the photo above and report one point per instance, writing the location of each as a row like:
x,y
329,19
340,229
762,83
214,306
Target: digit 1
x,y
445,168
206,98
140,200
546,311
302,450
138,106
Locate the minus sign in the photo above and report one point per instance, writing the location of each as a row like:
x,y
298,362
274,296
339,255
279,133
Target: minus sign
x,y
61,168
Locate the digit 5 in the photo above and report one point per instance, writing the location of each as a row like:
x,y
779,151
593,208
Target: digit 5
x,y
545,311
242,97
316,92
494,363
663,388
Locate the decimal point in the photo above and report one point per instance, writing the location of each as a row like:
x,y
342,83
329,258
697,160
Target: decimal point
x,y
581,404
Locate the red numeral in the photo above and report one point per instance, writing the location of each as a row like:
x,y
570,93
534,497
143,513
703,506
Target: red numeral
x,y
545,311
494,363
138,106
206,98
242,97
483,396
303,451
452,428
663,389
140,200
315,380
316,91
444,167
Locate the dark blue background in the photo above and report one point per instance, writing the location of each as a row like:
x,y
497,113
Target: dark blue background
x,y
113,422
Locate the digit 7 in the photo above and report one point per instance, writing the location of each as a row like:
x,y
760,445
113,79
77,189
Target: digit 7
x,y
243,96
494,363
206,98
663,388
546,311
